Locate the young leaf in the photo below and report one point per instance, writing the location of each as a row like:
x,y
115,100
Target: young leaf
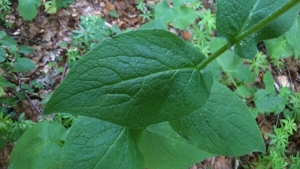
x,y
184,17
93,143
8,41
269,82
223,126
164,12
279,48
162,147
2,54
23,65
266,101
25,49
2,34
28,8
50,7
234,18
156,24
39,147
135,79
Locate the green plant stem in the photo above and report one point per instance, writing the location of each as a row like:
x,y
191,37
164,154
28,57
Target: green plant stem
x,y
248,32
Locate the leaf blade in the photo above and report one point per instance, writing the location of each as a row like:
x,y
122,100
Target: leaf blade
x,y
39,147
221,125
135,84
164,148
93,143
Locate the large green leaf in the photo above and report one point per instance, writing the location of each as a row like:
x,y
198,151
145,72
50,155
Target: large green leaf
x,y
28,8
234,18
135,79
163,148
93,143
39,147
223,126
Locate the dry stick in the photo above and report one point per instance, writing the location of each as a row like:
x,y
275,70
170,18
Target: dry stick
x,y
64,72
20,85
62,24
290,77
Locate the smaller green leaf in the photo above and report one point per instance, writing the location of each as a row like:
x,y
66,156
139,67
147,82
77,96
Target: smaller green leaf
x,y
234,67
8,41
2,34
50,7
163,11
39,147
28,8
25,49
184,17
243,91
23,65
1,92
178,3
113,13
266,101
231,63
156,24
93,143
269,82
5,83
63,3
279,48
162,147
2,54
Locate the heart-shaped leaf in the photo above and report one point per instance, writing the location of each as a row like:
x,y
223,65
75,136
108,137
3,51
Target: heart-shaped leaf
x,y
135,79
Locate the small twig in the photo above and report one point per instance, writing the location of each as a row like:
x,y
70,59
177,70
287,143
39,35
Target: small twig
x,y
64,72
277,119
27,97
290,77
62,24
108,24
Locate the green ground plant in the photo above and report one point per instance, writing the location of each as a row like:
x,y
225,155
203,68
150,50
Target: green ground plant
x,y
28,9
5,10
11,130
276,157
92,29
12,61
147,96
